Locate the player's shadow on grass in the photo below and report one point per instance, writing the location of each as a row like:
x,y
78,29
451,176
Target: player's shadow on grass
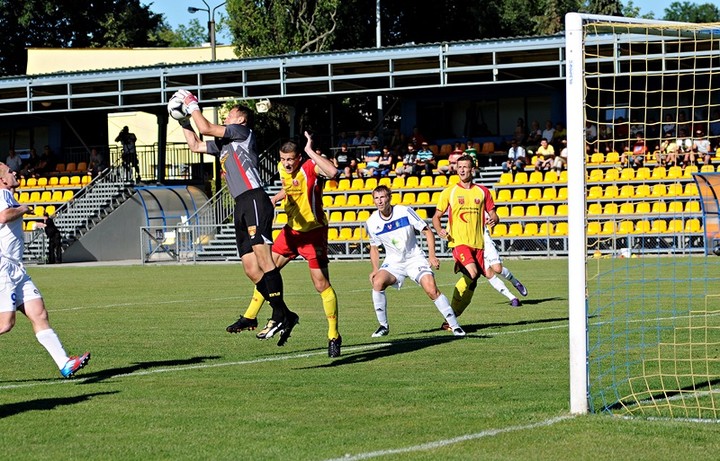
x,y
666,395
89,378
384,350
474,328
12,409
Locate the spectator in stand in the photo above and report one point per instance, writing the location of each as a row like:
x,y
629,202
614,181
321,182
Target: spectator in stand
x,y
520,133
591,133
636,157
451,167
386,163
342,139
534,135
371,138
701,148
372,155
669,125
549,132
683,123
408,162
684,143
560,162
96,163
28,169
424,161
471,150
636,127
416,138
517,158
652,133
345,161
358,140
669,151
13,161
545,156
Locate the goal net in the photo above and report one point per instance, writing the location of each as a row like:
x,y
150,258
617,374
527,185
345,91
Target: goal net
x,y
643,103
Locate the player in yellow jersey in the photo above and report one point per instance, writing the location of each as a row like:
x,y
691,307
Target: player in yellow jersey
x,y
468,205
305,234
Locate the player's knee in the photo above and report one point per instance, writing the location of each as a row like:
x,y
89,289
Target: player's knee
x,y
6,324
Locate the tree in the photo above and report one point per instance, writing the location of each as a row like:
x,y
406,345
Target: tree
x,y
690,12
67,24
194,34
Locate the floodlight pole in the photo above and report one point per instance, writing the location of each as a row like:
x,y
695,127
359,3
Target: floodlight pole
x,y
211,24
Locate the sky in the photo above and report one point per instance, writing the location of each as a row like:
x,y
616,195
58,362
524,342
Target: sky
x,y
176,12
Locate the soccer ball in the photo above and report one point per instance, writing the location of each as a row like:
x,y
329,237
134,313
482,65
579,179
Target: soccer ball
x,y
175,108
716,250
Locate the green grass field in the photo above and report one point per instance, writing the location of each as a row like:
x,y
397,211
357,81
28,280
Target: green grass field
x,y
166,382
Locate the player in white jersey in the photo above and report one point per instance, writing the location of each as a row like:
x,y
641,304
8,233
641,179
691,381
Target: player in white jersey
x,y
394,228
17,290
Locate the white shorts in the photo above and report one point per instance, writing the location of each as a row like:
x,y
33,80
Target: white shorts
x,y
16,287
490,253
414,268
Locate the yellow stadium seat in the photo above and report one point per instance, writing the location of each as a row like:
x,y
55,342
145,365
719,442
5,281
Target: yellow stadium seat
x,y
689,170
423,198
530,229
426,181
642,208
46,196
353,200
502,211
563,176
675,207
64,181
521,177
675,226
608,228
549,193
692,206
42,182
611,208
536,177
658,190
38,210
24,197
499,230
357,184
707,169
333,233
674,172
412,182
597,158
627,208
659,207
515,230
561,229
546,229
612,157
659,172
625,227
367,200
594,228
642,190
422,212
675,190
34,197
350,216
659,226
408,198
275,234
611,191
611,175
370,184
596,175
343,184
435,198
363,215
31,182
398,183
595,208
532,210
692,225
691,190
339,200
547,210
327,201
562,210
385,181
519,195
551,177
627,174
642,227
517,211
395,198
534,194
627,191
504,195
336,216
562,193
345,234
595,192
281,218
505,179
642,173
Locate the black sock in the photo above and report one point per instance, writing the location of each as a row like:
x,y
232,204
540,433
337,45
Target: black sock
x,y
274,288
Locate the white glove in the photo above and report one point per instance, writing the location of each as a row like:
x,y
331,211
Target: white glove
x,y
190,101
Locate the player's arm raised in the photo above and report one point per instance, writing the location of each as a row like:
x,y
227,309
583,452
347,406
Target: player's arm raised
x,y
192,109
324,166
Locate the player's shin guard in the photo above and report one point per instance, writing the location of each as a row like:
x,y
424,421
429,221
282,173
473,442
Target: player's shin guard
x,y
462,294
255,304
274,286
329,300
380,304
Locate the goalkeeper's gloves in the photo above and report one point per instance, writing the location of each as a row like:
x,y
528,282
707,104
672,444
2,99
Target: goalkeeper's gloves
x,y
190,101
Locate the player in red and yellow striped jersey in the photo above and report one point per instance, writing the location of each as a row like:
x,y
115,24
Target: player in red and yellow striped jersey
x,y
466,204
305,233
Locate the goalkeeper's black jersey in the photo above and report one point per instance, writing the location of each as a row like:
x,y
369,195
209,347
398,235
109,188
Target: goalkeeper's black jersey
x,y
239,158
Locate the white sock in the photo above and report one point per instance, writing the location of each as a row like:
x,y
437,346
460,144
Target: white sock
x,y
380,303
498,284
443,305
508,275
52,344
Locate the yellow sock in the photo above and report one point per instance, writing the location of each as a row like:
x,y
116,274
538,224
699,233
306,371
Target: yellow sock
x,y
255,304
329,300
462,295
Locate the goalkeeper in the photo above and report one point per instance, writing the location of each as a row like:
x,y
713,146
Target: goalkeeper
x,y
305,234
234,144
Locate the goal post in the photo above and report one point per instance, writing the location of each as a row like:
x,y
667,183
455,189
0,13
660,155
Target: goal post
x,y
643,293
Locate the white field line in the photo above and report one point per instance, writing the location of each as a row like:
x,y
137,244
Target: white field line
x,y
446,442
